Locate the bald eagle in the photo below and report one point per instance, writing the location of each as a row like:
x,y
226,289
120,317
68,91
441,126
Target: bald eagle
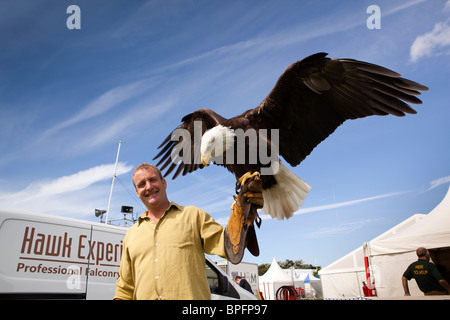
x,y
310,100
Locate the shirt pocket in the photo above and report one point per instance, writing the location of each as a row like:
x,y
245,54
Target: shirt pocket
x,y
180,235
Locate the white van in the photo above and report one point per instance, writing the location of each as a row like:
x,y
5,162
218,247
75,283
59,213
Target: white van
x,y
48,257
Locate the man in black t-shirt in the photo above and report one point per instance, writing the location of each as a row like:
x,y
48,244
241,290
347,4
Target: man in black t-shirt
x,y
427,276
243,283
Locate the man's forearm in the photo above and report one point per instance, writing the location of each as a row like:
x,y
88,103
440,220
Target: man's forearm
x,y
405,286
445,285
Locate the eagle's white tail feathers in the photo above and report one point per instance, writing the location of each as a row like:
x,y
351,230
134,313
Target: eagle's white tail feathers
x,y
283,199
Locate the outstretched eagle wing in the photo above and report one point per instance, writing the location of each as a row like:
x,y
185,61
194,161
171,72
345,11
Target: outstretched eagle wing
x,y
182,139
317,94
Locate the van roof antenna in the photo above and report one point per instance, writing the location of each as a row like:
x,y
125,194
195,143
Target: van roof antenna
x,y
112,183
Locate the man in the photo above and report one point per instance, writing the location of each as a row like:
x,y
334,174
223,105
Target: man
x,y
426,274
243,283
163,253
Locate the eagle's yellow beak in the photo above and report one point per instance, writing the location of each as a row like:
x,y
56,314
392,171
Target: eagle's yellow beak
x,y
204,160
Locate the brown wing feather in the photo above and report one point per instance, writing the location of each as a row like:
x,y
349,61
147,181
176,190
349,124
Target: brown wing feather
x,y
317,94
171,148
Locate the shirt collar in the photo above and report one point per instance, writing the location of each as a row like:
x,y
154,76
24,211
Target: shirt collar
x,y
172,204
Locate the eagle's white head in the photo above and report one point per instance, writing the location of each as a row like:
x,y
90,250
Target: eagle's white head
x,y
215,142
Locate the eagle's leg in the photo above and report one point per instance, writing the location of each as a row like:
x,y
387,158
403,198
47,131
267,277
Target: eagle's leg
x,y
241,181
240,232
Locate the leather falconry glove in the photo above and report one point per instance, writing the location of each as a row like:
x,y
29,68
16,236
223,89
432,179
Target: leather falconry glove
x,y
240,230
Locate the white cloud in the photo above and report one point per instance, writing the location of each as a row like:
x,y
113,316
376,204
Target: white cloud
x,y
402,6
72,195
344,204
316,29
81,180
343,228
428,43
123,124
447,6
438,182
224,220
100,105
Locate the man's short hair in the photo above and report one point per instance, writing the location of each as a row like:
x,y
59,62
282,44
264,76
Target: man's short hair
x,y
421,252
146,165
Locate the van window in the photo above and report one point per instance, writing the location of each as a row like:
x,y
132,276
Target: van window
x,y
213,280
218,283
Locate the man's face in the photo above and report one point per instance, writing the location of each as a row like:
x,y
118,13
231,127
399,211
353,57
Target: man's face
x,y
150,188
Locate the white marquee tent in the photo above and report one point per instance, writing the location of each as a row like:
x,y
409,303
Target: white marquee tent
x,y
390,254
276,277
311,284
273,279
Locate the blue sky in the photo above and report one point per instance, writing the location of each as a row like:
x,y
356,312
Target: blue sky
x,y
135,68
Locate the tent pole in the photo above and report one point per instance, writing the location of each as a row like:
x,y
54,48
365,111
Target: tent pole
x,y
366,263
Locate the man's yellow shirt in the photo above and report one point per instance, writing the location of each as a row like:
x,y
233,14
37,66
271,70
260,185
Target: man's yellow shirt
x,y
166,260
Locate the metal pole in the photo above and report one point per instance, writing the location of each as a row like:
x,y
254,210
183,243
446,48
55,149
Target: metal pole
x,y
112,184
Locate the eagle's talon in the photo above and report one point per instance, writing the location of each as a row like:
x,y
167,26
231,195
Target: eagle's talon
x,y
247,176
